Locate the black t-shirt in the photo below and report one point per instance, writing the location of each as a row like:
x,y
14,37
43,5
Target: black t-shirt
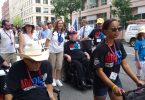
x,y
22,87
97,36
74,49
104,58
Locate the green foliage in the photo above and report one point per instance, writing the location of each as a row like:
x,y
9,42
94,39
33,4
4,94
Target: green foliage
x,y
122,10
65,7
0,22
17,21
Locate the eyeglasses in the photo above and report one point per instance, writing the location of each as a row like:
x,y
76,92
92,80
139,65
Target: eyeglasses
x,y
115,29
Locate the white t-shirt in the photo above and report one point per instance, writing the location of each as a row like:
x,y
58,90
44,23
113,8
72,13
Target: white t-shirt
x,y
54,45
7,45
28,40
87,31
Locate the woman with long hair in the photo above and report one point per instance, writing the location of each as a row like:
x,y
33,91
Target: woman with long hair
x,y
55,43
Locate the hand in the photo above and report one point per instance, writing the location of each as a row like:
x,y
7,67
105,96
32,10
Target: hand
x,y
118,91
52,98
88,57
68,58
140,83
5,63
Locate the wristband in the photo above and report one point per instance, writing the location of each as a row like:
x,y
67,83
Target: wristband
x,y
114,87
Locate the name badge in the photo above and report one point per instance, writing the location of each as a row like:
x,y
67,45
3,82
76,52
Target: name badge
x,y
109,65
113,76
98,40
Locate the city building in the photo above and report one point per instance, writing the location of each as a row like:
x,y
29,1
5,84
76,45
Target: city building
x,y
5,10
93,9
34,11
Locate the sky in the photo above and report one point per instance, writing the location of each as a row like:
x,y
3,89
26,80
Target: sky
x,y
1,3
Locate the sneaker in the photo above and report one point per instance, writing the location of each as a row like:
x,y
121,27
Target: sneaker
x,y
54,82
59,83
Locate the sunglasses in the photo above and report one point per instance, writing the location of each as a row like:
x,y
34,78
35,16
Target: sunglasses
x,y
115,29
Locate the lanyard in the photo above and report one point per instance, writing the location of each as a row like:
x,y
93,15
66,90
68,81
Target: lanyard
x,y
114,52
39,72
9,36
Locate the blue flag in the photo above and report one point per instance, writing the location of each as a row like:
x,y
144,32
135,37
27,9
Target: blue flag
x,y
75,24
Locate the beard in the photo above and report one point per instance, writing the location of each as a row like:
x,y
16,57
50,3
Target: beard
x,y
7,28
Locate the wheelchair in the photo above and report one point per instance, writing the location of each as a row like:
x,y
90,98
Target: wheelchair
x,y
71,73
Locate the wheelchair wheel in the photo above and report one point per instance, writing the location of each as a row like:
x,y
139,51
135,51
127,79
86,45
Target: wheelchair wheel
x,y
63,75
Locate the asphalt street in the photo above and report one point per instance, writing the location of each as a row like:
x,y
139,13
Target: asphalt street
x,y
70,93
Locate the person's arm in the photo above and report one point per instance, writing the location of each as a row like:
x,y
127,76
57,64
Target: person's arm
x,y
88,56
8,97
47,43
21,43
68,57
91,35
50,91
129,71
136,48
137,59
3,62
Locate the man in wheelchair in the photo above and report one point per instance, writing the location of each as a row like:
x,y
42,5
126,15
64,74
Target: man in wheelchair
x,y
77,68
31,77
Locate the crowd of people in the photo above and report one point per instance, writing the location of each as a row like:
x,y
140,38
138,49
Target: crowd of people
x,y
93,54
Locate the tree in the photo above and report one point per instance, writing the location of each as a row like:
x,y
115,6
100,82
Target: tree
x,y
123,10
65,7
0,23
17,21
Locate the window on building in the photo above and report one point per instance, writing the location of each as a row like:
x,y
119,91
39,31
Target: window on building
x,y
52,11
38,9
104,15
52,19
143,16
103,2
38,20
93,3
45,10
31,10
51,2
139,16
45,20
37,1
45,1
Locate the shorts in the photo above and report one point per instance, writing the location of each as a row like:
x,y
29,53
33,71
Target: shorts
x,y
9,57
101,91
142,70
56,60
